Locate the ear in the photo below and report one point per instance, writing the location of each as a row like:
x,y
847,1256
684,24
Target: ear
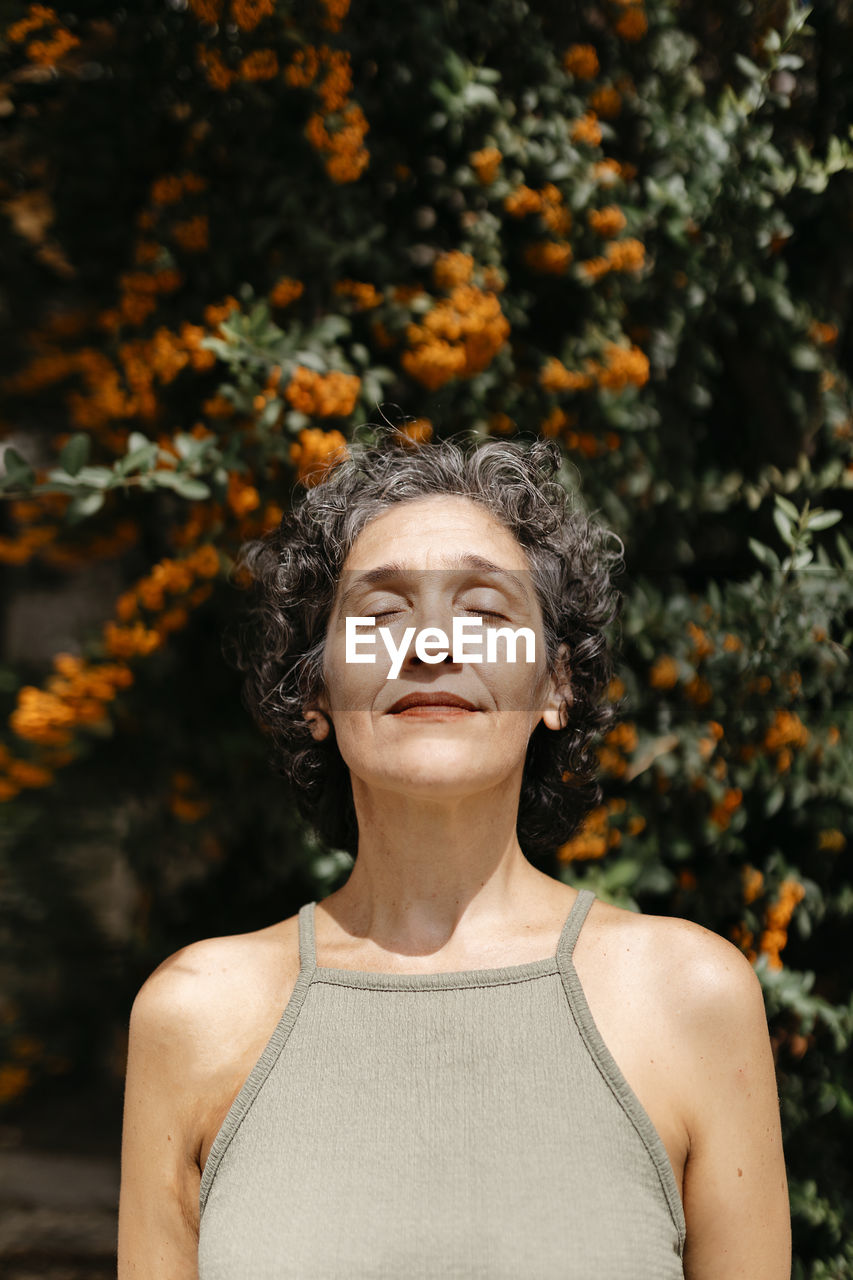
x,y
318,718
559,688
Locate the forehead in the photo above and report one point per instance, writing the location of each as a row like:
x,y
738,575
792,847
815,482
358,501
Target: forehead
x,y
436,532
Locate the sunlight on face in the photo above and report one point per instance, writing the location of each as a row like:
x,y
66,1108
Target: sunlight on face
x,y
441,753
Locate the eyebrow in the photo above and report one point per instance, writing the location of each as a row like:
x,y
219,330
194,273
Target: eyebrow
x,y
462,560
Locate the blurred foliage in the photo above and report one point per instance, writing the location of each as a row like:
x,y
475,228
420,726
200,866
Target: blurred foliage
x,y
235,229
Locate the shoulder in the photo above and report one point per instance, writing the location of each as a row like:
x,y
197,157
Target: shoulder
x,y
708,1008
212,980
189,1024
697,971
205,1007
696,988
686,999
709,984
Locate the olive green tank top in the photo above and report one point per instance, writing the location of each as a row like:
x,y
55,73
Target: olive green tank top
x,y
439,1126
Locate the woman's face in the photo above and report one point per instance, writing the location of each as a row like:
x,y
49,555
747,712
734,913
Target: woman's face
x,y
450,753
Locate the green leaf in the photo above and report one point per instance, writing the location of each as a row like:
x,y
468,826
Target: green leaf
x,y
479,95
803,356
823,519
766,555
144,456
18,470
310,360
787,506
183,484
83,505
783,524
774,799
800,560
75,452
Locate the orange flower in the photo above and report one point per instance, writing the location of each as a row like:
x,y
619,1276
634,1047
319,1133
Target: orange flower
x,y
344,155
260,64
457,338
25,773
219,76
335,87
608,221
418,431
242,497
554,423
336,11
592,839
207,10
365,296
248,13
594,268
38,16
285,291
522,201
554,376
47,53
322,395
778,917
549,256
451,269
485,164
167,190
722,811
702,645
606,102
581,61
623,366
315,452
304,67
501,424
823,334
192,234
664,673
555,215
753,882
626,255
787,729
633,23
586,130
699,691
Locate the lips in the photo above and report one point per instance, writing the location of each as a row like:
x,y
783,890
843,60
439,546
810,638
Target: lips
x,y
434,699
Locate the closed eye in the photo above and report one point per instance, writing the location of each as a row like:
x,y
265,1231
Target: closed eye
x,y
480,613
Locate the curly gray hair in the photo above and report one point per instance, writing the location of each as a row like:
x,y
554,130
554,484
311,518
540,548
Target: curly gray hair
x,y
293,574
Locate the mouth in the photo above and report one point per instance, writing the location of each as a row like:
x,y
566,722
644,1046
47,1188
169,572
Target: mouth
x,y
424,704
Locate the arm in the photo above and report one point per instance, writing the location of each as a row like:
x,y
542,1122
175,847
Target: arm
x,y
158,1201
735,1187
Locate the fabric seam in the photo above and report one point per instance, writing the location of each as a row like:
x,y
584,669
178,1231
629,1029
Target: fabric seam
x,y
626,1097
252,1086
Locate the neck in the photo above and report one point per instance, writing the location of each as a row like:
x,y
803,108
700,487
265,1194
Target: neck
x,y
436,871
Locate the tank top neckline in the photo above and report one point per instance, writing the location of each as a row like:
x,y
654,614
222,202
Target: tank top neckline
x,y
502,974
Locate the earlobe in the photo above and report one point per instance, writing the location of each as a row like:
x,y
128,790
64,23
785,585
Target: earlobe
x,y
557,714
318,719
318,723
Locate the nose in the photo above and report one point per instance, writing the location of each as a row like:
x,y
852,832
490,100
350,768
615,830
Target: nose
x,y
433,613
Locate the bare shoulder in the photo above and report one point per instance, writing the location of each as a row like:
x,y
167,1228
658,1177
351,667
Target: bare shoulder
x,y
204,1015
209,996
697,973
195,1023
693,1000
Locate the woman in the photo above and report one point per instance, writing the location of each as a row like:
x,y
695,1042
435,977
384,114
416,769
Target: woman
x,y
455,1065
